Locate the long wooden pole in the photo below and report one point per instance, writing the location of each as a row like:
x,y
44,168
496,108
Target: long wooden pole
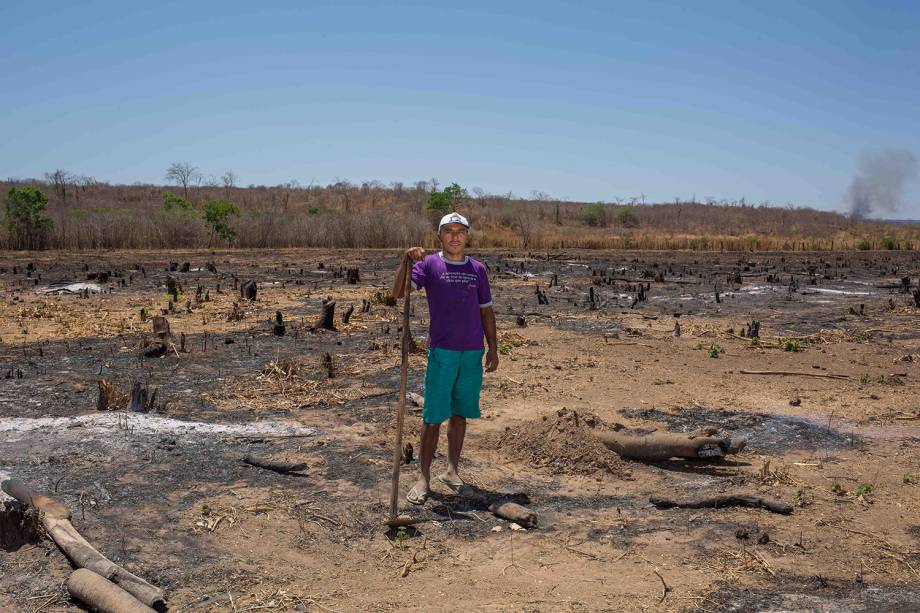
x,y
401,403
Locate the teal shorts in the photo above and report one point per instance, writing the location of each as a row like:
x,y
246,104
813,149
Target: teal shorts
x,y
452,383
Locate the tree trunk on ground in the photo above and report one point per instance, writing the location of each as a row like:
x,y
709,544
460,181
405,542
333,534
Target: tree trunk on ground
x,y
665,445
102,595
715,502
56,520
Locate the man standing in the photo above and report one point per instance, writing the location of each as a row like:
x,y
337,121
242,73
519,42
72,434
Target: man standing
x,y
460,310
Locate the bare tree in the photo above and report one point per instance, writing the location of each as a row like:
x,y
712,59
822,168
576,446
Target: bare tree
x,y
59,180
182,173
229,180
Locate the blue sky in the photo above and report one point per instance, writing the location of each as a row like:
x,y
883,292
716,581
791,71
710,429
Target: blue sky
x,y
581,100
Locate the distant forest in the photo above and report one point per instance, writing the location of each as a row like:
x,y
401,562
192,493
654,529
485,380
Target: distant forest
x,y
63,211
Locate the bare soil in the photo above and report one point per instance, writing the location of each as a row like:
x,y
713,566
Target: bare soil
x,y
167,495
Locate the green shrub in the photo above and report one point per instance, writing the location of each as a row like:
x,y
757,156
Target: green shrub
x,y
217,215
790,344
447,199
888,243
594,215
172,201
627,216
714,350
864,245
26,222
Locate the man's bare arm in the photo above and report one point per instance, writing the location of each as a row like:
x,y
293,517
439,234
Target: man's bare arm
x,y
399,284
488,328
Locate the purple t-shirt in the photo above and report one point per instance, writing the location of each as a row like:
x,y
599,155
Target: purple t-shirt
x,y
456,291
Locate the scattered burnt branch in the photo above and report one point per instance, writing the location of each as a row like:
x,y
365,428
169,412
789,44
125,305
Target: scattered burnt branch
x,y
718,502
512,511
274,465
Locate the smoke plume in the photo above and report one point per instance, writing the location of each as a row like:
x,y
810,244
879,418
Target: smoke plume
x,y
879,185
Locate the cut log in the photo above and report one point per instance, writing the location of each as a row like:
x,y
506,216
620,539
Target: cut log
x,y
665,445
730,500
512,511
56,520
274,465
102,595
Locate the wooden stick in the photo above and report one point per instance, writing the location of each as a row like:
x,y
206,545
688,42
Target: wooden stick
x,y
401,402
792,373
102,595
56,520
737,500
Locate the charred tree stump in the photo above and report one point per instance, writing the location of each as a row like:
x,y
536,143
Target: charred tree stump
x,y
141,400
326,321
278,329
172,288
541,296
328,365
248,290
347,314
676,329
917,298
365,305
352,276
521,321
110,397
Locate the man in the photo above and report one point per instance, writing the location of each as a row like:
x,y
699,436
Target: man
x,y
460,309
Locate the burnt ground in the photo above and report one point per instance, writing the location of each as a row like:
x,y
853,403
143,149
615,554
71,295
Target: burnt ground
x,y
167,496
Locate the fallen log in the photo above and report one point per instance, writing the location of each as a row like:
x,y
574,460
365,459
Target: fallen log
x,y
665,445
730,500
793,373
274,465
512,511
102,595
56,520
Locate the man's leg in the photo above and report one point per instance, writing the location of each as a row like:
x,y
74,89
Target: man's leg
x,y
439,378
464,406
456,431
429,445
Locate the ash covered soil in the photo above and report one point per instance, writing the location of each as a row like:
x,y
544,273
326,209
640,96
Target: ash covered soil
x,y
166,493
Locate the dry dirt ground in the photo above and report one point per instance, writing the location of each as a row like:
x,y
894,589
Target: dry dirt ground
x,y
166,494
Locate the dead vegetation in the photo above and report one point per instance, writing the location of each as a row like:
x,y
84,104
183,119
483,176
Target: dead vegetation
x,y
211,499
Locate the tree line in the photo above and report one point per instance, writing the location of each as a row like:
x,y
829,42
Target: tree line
x,y
64,211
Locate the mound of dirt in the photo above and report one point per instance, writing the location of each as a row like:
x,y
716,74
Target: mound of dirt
x,y
563,443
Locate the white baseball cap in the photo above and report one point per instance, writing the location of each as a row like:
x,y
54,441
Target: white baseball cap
x,y
453,218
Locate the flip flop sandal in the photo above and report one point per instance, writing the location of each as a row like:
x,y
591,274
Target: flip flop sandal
x,y
457,487
413,497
